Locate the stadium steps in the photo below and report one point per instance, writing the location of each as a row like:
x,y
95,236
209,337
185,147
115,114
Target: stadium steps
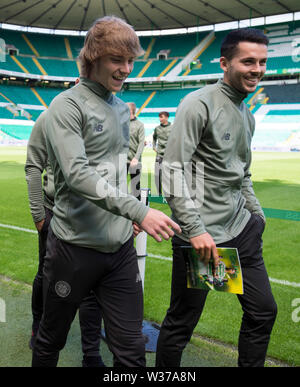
x,y
149,48
169,66
39,66
16,60
202,50
6,98
252,101
146,103
193,55
68,48
29,44
40,99
145,68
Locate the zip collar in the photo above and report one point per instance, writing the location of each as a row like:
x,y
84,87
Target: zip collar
x,y
97,88
236,96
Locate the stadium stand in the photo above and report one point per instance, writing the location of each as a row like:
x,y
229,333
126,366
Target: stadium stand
x,y
46,57
283,41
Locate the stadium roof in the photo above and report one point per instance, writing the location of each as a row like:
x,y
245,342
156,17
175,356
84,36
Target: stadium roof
x,y
142,14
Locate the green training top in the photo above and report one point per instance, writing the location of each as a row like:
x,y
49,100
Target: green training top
x,y
87,130
211,141
137,139
160,138
40,194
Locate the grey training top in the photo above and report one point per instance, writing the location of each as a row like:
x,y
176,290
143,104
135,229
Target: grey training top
x,y
40,193
87,130
210,146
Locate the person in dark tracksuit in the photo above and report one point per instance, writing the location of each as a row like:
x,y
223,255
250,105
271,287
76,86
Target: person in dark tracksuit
x,y
41,198
136,147
212,133
90,238
160,139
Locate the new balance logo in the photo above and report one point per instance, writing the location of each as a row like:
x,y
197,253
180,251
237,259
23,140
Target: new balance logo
x,y
98,128
226,136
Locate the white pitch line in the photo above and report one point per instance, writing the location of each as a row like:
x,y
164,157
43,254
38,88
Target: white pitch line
x,y
276,281
18,228
284,282
160,257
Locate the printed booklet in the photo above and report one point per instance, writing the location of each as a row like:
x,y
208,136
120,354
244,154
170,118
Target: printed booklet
x,y
227,277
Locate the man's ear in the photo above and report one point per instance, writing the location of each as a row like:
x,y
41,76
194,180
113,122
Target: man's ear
x,y
224,63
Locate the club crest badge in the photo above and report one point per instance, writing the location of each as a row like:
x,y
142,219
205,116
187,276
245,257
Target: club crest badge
x,y
62,289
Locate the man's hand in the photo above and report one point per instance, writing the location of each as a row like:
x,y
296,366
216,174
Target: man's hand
x,y
134,162
39,225
206,248
156,223
136,229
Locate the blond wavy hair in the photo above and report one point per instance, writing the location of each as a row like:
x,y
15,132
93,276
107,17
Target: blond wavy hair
x,y
108,35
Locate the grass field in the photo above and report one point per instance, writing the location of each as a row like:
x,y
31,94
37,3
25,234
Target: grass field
x,y
277,185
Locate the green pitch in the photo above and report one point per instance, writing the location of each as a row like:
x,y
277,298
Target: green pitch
x,y
277,185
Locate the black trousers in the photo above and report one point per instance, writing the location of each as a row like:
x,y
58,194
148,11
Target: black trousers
x,y
135,179
70,274
158,174
90,318
258,305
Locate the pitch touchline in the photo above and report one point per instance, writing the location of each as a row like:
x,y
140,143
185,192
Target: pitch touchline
x,y
277,281
18,228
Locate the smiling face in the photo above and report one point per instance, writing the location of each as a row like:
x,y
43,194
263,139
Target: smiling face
x,y
111,71
247,67
163,119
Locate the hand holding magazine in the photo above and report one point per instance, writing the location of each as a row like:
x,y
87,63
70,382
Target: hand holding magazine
x,y
227,277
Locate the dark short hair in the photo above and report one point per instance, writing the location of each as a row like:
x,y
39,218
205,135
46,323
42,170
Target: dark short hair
x,y
231,40
164,113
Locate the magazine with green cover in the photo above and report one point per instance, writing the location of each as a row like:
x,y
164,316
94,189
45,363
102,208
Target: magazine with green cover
x,y
227,277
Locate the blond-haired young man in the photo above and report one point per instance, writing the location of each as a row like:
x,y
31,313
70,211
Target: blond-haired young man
x,y
90,241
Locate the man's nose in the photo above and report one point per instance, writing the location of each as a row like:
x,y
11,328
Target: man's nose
x,y
126,67
256,68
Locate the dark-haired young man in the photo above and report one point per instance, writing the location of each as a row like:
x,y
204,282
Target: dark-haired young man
x,y
160,139
213,129
90,240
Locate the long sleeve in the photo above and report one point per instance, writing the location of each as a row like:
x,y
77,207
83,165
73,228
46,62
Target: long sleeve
x,y
184,138
154,139
67,147
35,165
252,203
141,140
